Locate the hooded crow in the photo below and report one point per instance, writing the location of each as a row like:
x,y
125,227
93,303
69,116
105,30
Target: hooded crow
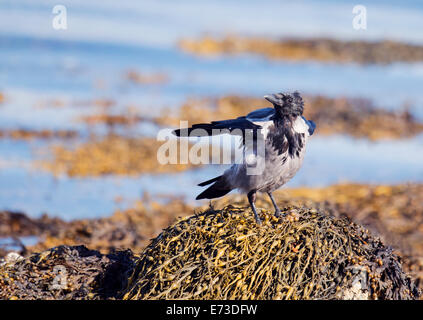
x,y
282,131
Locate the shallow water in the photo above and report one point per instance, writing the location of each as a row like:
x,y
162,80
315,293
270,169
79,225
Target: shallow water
x,y
40,65
10,244
161,23
329,160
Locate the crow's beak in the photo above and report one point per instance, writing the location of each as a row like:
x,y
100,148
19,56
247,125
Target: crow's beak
x,y
274,98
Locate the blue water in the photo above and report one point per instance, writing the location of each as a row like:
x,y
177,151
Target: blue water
x,y
163,22
329,160
105,39
10,244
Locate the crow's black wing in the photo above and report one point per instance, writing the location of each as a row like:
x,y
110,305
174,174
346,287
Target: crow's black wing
x,y
311,125
218,127
261,115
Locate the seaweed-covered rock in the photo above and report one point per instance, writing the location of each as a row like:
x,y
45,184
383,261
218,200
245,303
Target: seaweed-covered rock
x,y
224,254
66,272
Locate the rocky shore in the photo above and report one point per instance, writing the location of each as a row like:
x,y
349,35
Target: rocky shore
x,y
392,213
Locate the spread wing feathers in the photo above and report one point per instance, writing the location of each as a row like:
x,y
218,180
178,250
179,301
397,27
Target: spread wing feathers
x,y
311,126
260,115
217,127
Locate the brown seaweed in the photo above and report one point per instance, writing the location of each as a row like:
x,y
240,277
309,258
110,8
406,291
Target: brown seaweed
x,y
224,254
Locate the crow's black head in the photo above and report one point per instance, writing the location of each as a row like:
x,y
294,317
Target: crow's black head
x,y
287,103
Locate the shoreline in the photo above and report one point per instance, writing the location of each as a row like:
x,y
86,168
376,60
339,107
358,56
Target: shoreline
x,y
393,213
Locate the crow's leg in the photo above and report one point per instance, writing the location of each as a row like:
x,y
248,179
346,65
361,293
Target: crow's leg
x,y
251,199
277,210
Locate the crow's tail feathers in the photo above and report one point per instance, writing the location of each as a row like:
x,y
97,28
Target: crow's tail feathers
x,y
212,192
216,190
205,183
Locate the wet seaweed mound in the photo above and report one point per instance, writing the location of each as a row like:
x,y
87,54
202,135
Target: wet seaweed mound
x,y
65,273
224,254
